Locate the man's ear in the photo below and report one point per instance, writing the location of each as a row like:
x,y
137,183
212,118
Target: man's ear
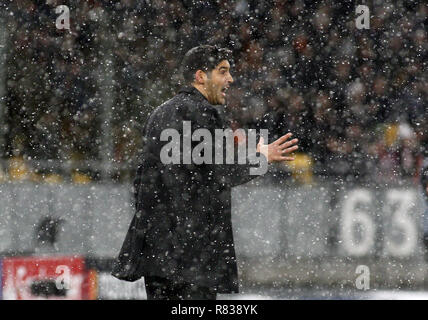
x,y
200,77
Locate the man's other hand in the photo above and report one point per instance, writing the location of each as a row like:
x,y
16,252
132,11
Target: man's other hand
x,y
277,150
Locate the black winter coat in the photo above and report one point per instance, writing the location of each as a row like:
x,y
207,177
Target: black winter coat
x,y
182,228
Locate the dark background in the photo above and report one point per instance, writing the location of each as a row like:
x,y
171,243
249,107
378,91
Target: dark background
x,y
356,99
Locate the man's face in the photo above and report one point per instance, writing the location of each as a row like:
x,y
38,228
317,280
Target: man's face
x,y
217,83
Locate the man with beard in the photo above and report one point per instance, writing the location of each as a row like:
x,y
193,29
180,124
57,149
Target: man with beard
x,y
180,238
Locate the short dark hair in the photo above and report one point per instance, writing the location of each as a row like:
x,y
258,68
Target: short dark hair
x,y
205,58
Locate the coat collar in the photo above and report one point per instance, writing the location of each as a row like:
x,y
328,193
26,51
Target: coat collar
x,y
195,93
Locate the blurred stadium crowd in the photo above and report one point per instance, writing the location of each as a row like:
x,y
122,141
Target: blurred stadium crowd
x,y
356,99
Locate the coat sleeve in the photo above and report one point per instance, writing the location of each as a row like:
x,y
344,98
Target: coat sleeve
x,y
230,174
180,182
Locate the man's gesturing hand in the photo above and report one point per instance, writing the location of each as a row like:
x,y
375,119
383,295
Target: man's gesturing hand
x,y
277,150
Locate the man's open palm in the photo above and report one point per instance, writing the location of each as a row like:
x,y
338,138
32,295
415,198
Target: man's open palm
x,y
277,150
